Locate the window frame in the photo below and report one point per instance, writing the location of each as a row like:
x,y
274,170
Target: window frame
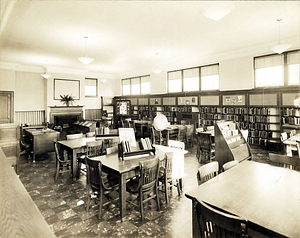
x,y
140,85
91,96
285,71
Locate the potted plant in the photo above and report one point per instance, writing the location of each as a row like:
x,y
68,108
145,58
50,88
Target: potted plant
x,y
67,99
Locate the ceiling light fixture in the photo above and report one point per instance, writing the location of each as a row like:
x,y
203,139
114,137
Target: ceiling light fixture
x,y
280,47
85,60
157,70
217,11
46,75
103,81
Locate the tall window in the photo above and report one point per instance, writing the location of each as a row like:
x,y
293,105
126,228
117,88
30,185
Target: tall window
x,y
293,62
174,81
210,77
91,87
136,85
269,71
145,85
191,79
126,86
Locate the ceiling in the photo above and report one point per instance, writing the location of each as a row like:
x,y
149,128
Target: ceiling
x,y
124,36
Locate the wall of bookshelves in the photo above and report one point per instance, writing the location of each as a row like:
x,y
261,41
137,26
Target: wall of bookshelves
x,y
290,111
264,119
209,110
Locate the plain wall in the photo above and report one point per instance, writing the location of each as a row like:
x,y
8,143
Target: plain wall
x,y
7,80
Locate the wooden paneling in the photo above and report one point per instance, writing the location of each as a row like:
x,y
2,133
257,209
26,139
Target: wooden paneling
x,y
188,101
169,101
7,107
91,114
263,99
143,101
210,100
231,100
133,101
155,101
30,117
291,99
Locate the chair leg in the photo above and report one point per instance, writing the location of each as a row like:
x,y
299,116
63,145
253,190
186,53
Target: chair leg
x,y
78,169
157,199
88,198
166,190
141,206
56,171
100,203
178,187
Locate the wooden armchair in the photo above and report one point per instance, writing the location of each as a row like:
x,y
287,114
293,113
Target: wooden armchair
x,y
214,223
206,145
285,161
146,184
62,165
98,185
24,146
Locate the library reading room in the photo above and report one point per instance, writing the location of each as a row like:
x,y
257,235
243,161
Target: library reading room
x,y
137,119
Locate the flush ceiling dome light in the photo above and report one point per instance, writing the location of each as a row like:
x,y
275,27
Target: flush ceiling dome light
x,y
280,47
217,11
85,60
103,80
46,75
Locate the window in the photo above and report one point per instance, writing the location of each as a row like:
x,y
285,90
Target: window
x,y
145,85
91,87
191,79
136,85
126,86
210,77
174,81
293,62
269,71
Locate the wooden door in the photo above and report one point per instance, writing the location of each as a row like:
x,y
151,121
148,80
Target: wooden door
x,y
6,107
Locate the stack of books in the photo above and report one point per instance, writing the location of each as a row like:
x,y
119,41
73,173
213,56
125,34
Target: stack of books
x,y
146,144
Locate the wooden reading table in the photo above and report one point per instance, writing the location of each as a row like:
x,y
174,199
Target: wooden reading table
x,y
267,196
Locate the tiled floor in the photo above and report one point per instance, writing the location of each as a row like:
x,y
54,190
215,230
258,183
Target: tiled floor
x,y
62,204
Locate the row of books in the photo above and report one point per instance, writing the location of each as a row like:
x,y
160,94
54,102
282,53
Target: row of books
x,y
231,110
234,117
291,120
209,109
258,126
257,141
206,122
259,111
291,112
258,119
210,116
146,144
262,134
126,147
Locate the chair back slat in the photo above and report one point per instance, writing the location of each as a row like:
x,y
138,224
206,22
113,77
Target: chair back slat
x,y
94,173
181,133
176,144
208,171
74,136
94,148
230,164
285,161
214,223
149,173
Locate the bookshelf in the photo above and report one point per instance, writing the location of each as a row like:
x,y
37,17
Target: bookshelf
x,y
290,111
264,120
209,110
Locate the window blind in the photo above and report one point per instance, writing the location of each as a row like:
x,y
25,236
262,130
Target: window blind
x,y
269,61
210,70
293,58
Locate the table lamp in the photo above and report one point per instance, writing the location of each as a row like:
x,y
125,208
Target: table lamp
x,y
160,122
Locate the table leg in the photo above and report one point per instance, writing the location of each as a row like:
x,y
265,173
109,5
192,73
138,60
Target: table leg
x,y
74,164
122,194
181,184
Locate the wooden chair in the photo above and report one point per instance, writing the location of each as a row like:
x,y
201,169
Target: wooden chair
x,y
166,180
293,132
181,133
156,137
24,147
74,136
214,223
97,184
283,136
285,161
206,145
62,165
189,135
230,164
146,184
207,172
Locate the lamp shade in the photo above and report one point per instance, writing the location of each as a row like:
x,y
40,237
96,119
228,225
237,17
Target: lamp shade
x,y
160,122
85,60
280,48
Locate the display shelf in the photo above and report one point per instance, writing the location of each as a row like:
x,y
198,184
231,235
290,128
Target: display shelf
x,y
208,115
